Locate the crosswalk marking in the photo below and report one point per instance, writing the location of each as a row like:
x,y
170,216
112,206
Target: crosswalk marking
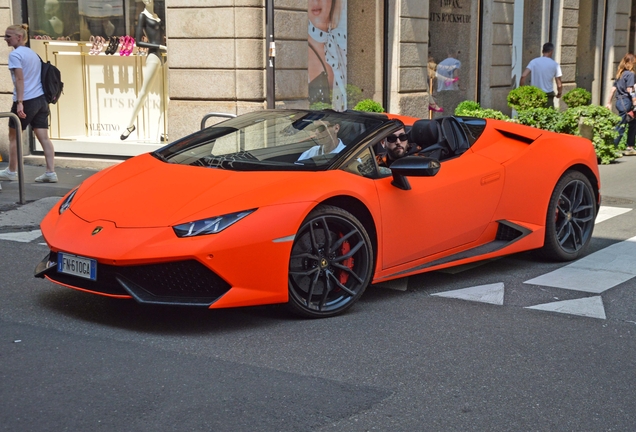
x,y
591,307
492,293
605,213
596,273
22,237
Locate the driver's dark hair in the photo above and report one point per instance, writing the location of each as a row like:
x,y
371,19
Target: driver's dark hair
x,y
547,47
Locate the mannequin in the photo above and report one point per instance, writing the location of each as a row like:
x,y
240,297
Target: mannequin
x,y
150,24
54,26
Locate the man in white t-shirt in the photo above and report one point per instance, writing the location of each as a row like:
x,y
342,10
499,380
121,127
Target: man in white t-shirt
x,y
542,71
326,135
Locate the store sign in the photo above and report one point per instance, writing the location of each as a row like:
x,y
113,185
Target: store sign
x,y
451,11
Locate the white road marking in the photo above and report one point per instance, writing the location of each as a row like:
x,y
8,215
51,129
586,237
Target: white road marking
x,y
596,273
605,213
591,307
492,293
22,237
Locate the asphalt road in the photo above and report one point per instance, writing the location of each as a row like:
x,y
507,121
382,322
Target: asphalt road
x,y
400,360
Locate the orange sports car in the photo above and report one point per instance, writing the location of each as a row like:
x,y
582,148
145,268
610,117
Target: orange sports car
x,y
296,207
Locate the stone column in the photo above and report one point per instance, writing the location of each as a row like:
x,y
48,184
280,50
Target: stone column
x,y
290,32
496,54
408,57
216,60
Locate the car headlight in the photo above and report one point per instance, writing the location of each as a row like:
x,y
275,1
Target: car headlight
x,y
211,225
67,202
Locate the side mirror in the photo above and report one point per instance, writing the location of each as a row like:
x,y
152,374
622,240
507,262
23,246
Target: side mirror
x,y
412,166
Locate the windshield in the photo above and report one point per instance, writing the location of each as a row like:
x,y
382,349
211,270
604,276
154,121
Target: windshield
x,y
274,140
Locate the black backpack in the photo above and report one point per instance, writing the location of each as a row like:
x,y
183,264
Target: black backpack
x,y
51,82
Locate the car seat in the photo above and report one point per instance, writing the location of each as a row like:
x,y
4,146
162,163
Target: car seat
x,y
429,137
455,137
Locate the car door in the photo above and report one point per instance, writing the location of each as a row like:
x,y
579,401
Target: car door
x,y
439,213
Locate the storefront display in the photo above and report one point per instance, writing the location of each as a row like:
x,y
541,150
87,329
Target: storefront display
x,y
452,63
115,81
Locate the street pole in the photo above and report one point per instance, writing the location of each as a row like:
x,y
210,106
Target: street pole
x,y
271,58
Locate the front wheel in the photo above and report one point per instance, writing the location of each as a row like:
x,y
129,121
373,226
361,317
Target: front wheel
x,y
330,265
570,218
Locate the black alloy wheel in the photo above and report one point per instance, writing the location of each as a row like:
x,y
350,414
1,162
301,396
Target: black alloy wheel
x,y
331,263
570,218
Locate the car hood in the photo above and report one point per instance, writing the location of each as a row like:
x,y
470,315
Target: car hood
x,y
145,192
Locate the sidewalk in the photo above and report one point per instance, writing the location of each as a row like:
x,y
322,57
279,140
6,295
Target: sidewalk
x,y
68,178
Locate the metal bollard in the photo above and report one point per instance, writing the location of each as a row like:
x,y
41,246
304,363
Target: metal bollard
x,y
18,138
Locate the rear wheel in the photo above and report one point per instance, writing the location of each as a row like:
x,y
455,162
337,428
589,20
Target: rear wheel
x,y
570,218
330,265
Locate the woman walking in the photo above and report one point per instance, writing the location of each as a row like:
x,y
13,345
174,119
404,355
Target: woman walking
x,y
29,103
625,102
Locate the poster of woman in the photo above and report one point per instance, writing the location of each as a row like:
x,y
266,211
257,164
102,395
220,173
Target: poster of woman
x,y
327,39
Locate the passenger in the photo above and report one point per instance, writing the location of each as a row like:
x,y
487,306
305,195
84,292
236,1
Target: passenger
x,y
396,145
326,135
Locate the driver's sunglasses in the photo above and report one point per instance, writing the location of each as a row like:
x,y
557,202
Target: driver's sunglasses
x,y
394,138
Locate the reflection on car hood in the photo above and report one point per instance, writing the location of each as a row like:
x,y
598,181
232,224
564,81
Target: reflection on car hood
x,y
145,192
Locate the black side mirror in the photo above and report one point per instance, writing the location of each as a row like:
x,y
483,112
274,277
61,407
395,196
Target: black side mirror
x,y
412,166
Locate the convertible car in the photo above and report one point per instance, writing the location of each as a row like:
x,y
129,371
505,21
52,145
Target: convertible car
x,y
260,209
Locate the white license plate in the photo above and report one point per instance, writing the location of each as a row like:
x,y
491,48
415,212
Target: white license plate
x,y
77,266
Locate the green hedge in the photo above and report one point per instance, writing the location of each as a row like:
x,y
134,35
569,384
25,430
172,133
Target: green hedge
x,y
369,105
473,109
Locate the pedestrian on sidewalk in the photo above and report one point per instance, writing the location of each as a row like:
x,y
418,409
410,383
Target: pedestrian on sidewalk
x,y
29,103
625,90
542,71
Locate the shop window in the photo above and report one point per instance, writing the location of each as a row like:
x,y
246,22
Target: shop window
x,y
107,92
452,62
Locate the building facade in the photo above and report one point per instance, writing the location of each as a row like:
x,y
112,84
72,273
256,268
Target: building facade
x,y
219,56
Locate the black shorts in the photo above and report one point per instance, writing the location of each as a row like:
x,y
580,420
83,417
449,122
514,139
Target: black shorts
x,y
37,113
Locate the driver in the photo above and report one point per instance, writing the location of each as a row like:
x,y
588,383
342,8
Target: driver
x,y
396,145
326,135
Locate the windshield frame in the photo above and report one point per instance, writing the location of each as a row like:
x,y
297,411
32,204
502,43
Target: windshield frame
x,y
190,150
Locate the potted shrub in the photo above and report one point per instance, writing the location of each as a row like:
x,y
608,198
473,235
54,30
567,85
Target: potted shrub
x,y
577,97
602,122
527,97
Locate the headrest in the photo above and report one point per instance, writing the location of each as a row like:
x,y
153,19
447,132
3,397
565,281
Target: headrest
x,y
424,133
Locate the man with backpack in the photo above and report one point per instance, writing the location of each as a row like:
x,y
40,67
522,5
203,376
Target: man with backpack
x,y
29,103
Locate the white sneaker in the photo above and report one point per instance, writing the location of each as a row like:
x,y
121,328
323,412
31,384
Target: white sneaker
x,y
5,174
47,177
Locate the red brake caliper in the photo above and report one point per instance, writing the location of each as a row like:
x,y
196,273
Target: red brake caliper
x,y
344,249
